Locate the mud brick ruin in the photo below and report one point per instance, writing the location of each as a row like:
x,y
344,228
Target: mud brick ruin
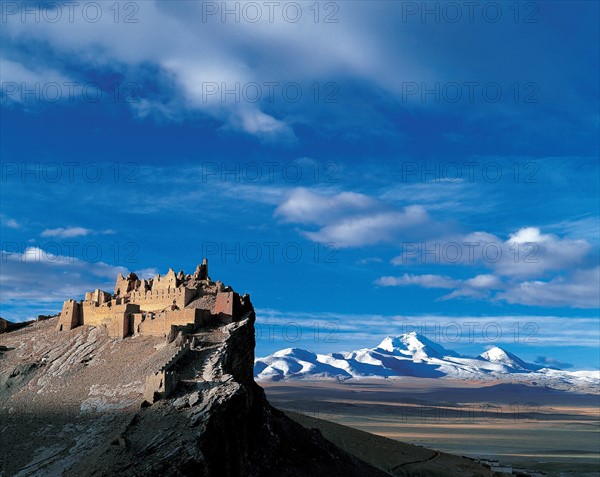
x,y
161,306
170,306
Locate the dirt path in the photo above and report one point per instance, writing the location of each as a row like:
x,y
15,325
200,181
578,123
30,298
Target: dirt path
x,y
435,455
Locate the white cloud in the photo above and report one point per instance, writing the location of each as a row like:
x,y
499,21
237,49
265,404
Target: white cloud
x,y
67,232
579,290
36,275
425,281
484,281
348,219
70,232
9,222
36,281
476,287
307,207
147,272
369,260
194,51
526,253
369,229
20,83
190,51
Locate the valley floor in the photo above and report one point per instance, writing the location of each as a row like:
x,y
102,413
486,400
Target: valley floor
x,y
534,428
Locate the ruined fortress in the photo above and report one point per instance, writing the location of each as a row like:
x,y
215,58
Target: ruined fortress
x,y
161,306
176,305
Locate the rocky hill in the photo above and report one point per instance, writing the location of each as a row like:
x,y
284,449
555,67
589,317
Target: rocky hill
x,y
81,402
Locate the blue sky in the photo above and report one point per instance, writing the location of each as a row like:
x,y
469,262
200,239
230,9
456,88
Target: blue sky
x,y
359,168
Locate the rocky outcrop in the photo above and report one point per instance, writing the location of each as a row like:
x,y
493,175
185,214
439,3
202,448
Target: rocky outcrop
x,y
76,404
82,403
7,326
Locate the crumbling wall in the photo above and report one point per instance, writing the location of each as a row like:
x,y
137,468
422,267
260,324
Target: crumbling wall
x,y
70,316
125,285
161,384
201,272
119,326
136,319
161,324
227,303
98,296
169,281
159,299
94,315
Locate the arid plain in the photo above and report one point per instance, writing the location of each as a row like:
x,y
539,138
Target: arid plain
x,y
530,427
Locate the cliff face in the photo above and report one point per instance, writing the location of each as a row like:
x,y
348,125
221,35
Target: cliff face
x,y
74,404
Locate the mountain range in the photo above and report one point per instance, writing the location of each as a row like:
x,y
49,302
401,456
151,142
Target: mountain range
x,y
415,355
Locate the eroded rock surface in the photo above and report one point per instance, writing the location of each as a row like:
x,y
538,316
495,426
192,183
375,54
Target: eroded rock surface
x,y
74,404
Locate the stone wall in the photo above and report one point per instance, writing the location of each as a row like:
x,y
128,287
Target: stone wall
x,y
232,305
154,300
102,315
161,384
70,316
161,324
169,281
120,326
125,285
227,303
98,296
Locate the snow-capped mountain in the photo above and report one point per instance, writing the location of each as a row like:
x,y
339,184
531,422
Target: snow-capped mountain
x,y
415,355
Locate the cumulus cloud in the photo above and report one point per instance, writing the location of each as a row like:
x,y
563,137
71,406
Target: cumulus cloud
x,y
349,219
307,207
526,253
579,289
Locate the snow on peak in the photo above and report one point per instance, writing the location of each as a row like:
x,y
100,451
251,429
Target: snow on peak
x,y
412,354
297,353
495,354
499,356
415,345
